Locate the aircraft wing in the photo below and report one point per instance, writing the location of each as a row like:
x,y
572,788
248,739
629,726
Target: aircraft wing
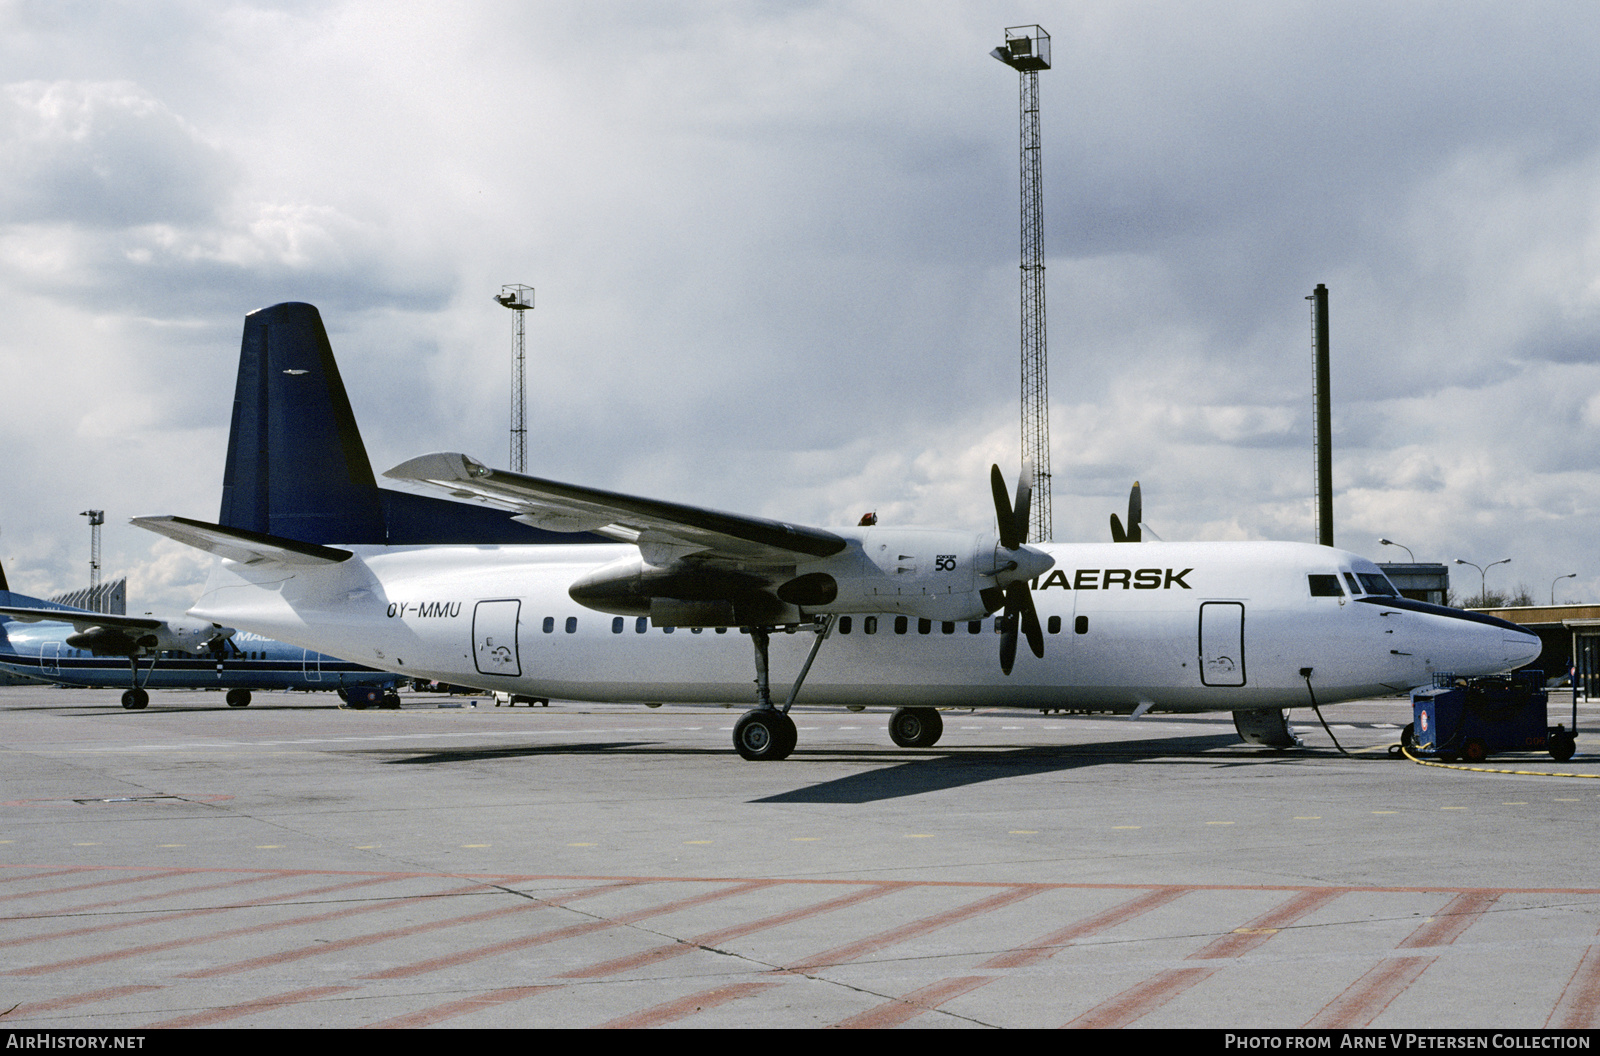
x,y
237,544
80,619
663,529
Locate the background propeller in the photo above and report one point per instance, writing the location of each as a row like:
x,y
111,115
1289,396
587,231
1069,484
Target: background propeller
x,y
1133,533
1019,611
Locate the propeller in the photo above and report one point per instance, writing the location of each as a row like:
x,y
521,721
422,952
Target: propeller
x,y
1018,565
1133,533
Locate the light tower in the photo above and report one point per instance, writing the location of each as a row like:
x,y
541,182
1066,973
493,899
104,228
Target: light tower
x,y
96,519
1027,50
519,299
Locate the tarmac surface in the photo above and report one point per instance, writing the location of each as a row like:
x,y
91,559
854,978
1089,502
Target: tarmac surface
x,y
296,865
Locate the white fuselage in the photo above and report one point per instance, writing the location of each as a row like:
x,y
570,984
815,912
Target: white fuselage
x,y
1176,626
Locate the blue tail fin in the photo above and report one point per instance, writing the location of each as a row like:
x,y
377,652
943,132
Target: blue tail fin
x,y
297,468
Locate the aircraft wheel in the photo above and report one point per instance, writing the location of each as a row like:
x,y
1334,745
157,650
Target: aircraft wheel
x,y
764,733
390,700
134,699
1474,751
238,698
915,727
1408,736
1562,745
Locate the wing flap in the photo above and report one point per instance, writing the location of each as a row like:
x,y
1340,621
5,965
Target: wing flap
x,y
574,508
237,544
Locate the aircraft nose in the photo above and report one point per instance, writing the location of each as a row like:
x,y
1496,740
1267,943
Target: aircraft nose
x,y
1522,649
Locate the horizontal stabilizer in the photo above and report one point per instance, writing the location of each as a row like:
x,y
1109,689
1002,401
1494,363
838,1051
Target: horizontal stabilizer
x,y
561,507
237,544
79,619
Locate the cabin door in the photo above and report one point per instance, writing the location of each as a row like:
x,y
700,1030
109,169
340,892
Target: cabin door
x,y
494,637
1222,643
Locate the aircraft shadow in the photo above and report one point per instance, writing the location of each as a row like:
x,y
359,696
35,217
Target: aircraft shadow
x,y
466,755
959,769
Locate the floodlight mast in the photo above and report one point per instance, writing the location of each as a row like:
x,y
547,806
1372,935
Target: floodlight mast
x,y
1027,50
96,519
519,299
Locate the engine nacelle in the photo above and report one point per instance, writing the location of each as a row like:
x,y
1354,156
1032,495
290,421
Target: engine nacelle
x,y
682,595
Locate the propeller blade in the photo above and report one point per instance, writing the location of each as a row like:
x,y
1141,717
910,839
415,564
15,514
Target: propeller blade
x,y
1030,617
1004,517
1008,644
1024,501
1117,534
1135,514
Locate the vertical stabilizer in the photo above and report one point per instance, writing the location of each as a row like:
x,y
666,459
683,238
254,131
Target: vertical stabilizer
x,y
296,465
297,468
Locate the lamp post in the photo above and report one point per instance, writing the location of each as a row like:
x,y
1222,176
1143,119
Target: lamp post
x,y
1558,579
1403,546
1483,575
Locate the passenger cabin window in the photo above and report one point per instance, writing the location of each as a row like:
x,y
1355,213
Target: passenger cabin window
x,y
1325,586
616,625
1054,625
549,624
924,626
844,625
869,625
572,624
641,625
1377,583
900,624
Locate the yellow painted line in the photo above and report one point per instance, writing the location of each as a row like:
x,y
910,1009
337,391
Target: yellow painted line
x,y
269,846
805,839
696,841
1024,832
1386,812
1127,826
1308,817
919,836
1219,823
580,845
477,845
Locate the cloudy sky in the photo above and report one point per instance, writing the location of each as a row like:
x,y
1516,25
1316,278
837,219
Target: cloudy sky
x,y
775,253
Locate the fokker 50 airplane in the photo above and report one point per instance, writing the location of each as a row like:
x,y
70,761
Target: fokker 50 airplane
x,y
654,601
74,647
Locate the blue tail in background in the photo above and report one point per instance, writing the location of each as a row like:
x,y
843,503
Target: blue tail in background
x,y
297,468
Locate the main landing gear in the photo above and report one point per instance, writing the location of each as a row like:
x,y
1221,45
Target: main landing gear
x,y
766,731
135,698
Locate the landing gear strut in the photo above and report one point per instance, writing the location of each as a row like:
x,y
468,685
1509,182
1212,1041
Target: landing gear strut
x,y
135,697
765,732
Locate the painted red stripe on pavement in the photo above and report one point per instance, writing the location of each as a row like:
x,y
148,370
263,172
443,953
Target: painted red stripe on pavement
x,y
894,1013
672,1011
1146,997
55,891
713,938
1048,946
218,936
22,1012
871,944
260,1004
439,1013
450,960
1366,998
1578,1006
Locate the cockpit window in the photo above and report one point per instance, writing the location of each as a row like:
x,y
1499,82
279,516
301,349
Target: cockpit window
x,y
1355,588
1325,586
1377,583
